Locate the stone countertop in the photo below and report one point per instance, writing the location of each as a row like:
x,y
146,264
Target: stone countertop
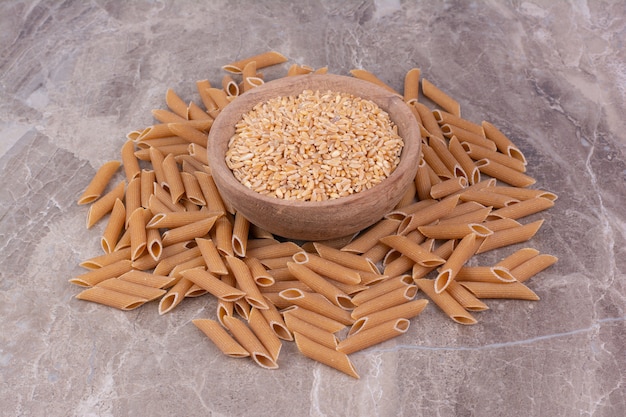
x,y
76,76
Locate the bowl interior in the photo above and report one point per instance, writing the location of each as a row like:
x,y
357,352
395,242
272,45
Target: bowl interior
x,y
315,220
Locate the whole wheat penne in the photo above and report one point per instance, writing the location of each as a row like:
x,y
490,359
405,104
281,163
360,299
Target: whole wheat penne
x,y
174,296
427,215
220,337
175,103
443,251
276,250
173,180
124,241
154,246
428,120
317,303
246,283
484,274
347,259
444,117
165,197
462,253
166,116
517,258
146,261
156,158
440,146
219,97
99,261
132,199
477,152
488,198
285,285
212,284
246,338
157,206
368,76
376,253
224,236
533,266
476,216
190,231
465,298
381,288
389,299
189,133
199,153
241,228
155,131
524,193
454,230
399,266
193,263
523,208
260,275
169,261
504,173
465,136
104,205
448,187
212,258
262,60
320,285
193,192
440,98
262,330
422,181
325,355
459,153
500,224
111,298
405,310
276,322
411,85
129,161
509,236
114,227
319,320
137,229
276,263
446,302
147,279
507,290
242,307
412,250
230,85
328,268
377,334
192,164
248,71
297,69
195,112
93,277
502,142
435,163
211,194
223,309
369,238
176,150
146,180
310,330
99,182
130,288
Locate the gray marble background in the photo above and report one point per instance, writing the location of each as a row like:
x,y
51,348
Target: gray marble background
x,y
76,76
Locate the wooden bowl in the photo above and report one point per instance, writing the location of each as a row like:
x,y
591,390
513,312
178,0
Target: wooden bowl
x,y
305,220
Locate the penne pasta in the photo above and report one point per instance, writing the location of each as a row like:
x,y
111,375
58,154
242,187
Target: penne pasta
x,y
114,227
523,208
317,303
368,239
212,259
173,180
224,236
458,151
99,182
195,112
250,342
533,266
229,85
517,258
428,120
320,285
137,230
111,298
220,337
193,193
508,290
509,236
310,330
465,137
381,288
389,299
146,181
328,268
477,152
189,133
241,228
129,161
347,259
175,103
440,146
504,173
435,163
170,260
488,198
465,249
93,277
147,279
502,142
406,310
319,320
484,274
377,334
132,198
412,250
130,288
446,302
174,296
262,330
246,283
276,250
325,355
448,187
212,284
173,220
465,298
444,117
427,215
411,85
262,60
454,230
190,231
276,322
524,193
422,181
368,76
440,98
166,116
104,205
209,190
260,275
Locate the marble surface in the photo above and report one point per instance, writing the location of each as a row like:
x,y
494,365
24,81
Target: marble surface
x,y
76,76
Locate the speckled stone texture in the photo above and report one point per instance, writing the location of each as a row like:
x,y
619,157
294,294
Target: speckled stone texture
x,y
76,76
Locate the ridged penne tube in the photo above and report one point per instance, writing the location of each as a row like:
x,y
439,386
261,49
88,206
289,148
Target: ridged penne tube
x,y
533,266
129,161
242,307
192,164
130,288
263,60
146,180
317,303
422,181
368,239
175,103
349,260
99,182
488,198
443,251
465,298
376,253
477,152
465,136
114,227
448,187
368,76
248,71
509,236
188,232
211,194
285,285
246,338
166,116
93,277
310,330
445,302
381,288
412,250
262,330
223,309
464,250
476,216
405,310
468,165
99,261
202,86
276,250
399,266
517,258
199,153
220,337
193,263
411,85
224,236
195,291
507,290
156,158
389,299
193,192
212,284
370,337
230,85
320,285
137,229
111,298
319,320
147,279
296,69
504,173
523,208
440,146
444,117
104,205
123,242
165,197
169,261
484,274
327,356
328,268
260,275
502,142
157,206
440,98
436,164
500,224
276,322
173,220
276,263
219,97
427,215
211,255
174,296
246,283
524,193
155,132
428,120
173,180
241,228
189,133
132,199
454,230
174,150
195,112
